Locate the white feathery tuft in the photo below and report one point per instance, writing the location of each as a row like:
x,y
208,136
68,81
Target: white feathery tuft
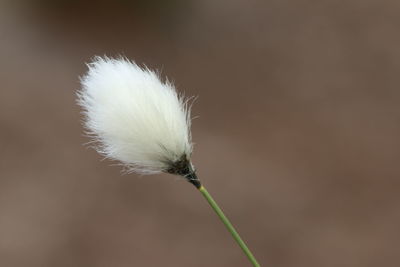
x,y
133,117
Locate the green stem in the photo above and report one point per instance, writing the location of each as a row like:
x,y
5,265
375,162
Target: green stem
x,y
229,226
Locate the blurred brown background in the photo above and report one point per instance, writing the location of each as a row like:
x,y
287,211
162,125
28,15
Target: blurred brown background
x,y
297,136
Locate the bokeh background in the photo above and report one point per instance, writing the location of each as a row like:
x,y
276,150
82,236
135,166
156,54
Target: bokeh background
x,y
297,134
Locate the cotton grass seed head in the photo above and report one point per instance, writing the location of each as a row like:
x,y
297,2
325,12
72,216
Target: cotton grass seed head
x,y
135,118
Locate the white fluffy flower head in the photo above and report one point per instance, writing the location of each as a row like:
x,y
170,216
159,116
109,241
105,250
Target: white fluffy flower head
x,y
135,118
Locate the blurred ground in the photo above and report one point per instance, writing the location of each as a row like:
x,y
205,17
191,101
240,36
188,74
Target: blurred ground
x,y
298,134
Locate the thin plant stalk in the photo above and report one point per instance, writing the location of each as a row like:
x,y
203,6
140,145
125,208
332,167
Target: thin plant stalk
x,y
229,226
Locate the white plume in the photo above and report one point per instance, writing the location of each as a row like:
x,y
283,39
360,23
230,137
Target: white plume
x,y
133,117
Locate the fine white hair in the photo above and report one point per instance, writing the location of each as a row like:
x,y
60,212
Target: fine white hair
x,y
133,117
